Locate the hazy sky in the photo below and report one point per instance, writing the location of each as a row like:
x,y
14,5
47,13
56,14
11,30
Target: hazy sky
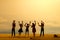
x,y
29,10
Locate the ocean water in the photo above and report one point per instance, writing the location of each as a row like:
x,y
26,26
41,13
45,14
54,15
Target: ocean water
x,y
47,30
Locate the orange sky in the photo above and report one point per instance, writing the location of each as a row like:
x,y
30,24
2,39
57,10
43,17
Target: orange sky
x,y
29,10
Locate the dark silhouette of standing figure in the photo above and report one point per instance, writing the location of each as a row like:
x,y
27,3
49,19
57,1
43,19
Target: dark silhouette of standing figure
x,y
33,28
27,28
13,27
42,28
21,26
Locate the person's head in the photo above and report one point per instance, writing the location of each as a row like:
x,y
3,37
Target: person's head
x,y
41,21
32,23
13,21
27,24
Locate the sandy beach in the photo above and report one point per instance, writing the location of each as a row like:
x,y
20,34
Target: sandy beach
x,y
22,37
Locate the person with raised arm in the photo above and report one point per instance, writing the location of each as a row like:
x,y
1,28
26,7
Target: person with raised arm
x,y
42,28
27,28
33,28
21,26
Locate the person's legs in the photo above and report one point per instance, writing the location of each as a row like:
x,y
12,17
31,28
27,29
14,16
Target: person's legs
x,y
19,33
34,34
28,33
43,32
14,32
25,33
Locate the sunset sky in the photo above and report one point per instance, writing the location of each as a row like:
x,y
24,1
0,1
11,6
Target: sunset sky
x,y
30,10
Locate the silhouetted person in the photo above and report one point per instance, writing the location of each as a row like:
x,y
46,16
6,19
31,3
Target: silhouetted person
x,y
27,28
21,26
13,28
42,28
33,28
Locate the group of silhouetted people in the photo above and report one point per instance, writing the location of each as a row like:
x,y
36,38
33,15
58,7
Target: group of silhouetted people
x,y
27,25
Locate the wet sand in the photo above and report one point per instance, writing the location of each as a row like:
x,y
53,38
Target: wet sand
x,y
23,37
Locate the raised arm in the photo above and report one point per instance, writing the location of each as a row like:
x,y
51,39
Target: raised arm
x,y
30,23
22,22
19,22
39,24
35,22
25,24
